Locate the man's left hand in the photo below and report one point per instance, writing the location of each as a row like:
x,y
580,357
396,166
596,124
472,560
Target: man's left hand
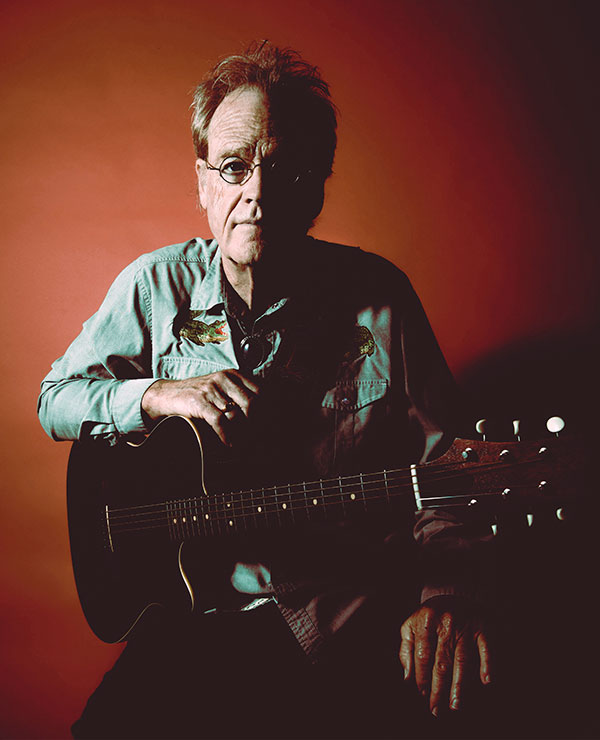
x,y
444,644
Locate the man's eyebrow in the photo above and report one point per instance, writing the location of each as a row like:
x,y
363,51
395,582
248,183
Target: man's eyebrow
x,y
234,151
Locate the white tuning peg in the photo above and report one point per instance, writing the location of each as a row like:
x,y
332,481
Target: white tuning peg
x,y
480,427
517,429
494,527
555,425
529,520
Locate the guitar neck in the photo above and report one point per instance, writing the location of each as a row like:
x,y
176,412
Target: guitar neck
x,y
486,474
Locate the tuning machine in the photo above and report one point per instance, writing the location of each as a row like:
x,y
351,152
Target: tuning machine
x,y
555,425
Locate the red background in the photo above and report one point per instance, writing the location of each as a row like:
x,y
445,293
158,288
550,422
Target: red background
x,y
467,155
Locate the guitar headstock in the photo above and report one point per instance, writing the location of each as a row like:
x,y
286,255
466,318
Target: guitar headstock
x,y
518,476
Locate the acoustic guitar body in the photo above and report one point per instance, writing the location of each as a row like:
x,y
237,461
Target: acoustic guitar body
x,y
123,570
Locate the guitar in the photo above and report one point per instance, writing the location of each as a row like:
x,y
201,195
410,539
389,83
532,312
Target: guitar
x,y
130,533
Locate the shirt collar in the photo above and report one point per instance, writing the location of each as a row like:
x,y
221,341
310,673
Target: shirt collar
x,y
211,293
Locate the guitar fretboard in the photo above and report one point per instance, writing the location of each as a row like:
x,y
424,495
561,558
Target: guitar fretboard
x,y
266,508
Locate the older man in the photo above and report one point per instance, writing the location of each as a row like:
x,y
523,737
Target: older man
x,y
319,358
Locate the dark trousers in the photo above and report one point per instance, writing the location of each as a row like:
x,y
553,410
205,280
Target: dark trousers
x,y
243,675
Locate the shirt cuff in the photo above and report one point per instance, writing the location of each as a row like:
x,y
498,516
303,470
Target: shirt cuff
x,y
127,406
429,592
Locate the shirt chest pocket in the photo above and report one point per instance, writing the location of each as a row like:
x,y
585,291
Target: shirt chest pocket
x,y
354,412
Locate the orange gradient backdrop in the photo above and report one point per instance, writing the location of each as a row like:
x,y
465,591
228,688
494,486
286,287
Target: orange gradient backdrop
x,y
467,156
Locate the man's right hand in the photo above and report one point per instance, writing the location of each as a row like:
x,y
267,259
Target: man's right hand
x,y
217,398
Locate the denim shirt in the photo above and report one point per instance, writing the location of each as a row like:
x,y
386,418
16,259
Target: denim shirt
x,y
354,381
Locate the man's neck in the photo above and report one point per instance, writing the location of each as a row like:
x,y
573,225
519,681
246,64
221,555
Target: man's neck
x,y
260,285
241,280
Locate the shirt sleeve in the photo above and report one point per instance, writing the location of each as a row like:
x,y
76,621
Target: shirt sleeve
x,y
95,389
454,548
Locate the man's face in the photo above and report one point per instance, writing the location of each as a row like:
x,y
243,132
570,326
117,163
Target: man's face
x,y
247,219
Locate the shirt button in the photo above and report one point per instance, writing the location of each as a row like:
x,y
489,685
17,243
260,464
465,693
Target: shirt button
x,y
345,402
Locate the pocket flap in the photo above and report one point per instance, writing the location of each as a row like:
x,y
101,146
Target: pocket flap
x,y
353,395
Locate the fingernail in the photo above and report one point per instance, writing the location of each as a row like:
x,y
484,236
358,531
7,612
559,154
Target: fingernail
x,y
487,678
454,704
434,711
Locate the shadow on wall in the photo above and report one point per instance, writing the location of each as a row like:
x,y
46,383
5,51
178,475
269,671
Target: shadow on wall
x,y
547,572
534,379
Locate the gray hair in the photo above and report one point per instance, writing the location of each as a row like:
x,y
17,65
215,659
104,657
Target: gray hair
x,y
298,94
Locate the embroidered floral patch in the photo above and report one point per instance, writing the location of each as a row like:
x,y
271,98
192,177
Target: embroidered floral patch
x,y
200,333
362,344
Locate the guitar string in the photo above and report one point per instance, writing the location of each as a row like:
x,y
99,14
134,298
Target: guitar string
x,y
165,524
195,529
184,511
240,499
220,515
317,486
441,473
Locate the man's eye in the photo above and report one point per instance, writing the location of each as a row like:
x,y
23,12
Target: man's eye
x,y
234,166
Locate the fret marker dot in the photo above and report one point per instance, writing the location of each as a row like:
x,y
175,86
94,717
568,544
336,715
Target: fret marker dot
x,y
230,523
183,520
195,518
259,509
353,496
174,521
206,516
315,501
284,506
229,506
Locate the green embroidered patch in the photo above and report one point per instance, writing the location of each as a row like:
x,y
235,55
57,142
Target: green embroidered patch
x,y
362,344
200,333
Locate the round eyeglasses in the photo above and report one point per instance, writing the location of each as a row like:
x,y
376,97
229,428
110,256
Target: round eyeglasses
x,y
237,171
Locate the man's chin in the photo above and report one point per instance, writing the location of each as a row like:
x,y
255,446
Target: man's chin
x,y
249,253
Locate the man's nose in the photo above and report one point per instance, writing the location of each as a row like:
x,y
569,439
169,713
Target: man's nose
x,y
253,187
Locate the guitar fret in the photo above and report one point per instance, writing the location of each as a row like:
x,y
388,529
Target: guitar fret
x,y
197,517
277,505
253,508
322,499
362,491
209,516
291,504
342,497
188,519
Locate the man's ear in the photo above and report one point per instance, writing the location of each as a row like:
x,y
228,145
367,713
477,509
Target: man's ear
x,y
201,175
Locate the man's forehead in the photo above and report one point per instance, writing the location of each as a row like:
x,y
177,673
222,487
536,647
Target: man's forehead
x,y
241,123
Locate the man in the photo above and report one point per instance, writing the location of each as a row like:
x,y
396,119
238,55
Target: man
x,y
313,355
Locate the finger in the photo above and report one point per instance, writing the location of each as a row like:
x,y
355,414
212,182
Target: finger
x,y
425,646
485,673
462,657
226,405
215,418
238,394
441,676
217,398
249,384
407,647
